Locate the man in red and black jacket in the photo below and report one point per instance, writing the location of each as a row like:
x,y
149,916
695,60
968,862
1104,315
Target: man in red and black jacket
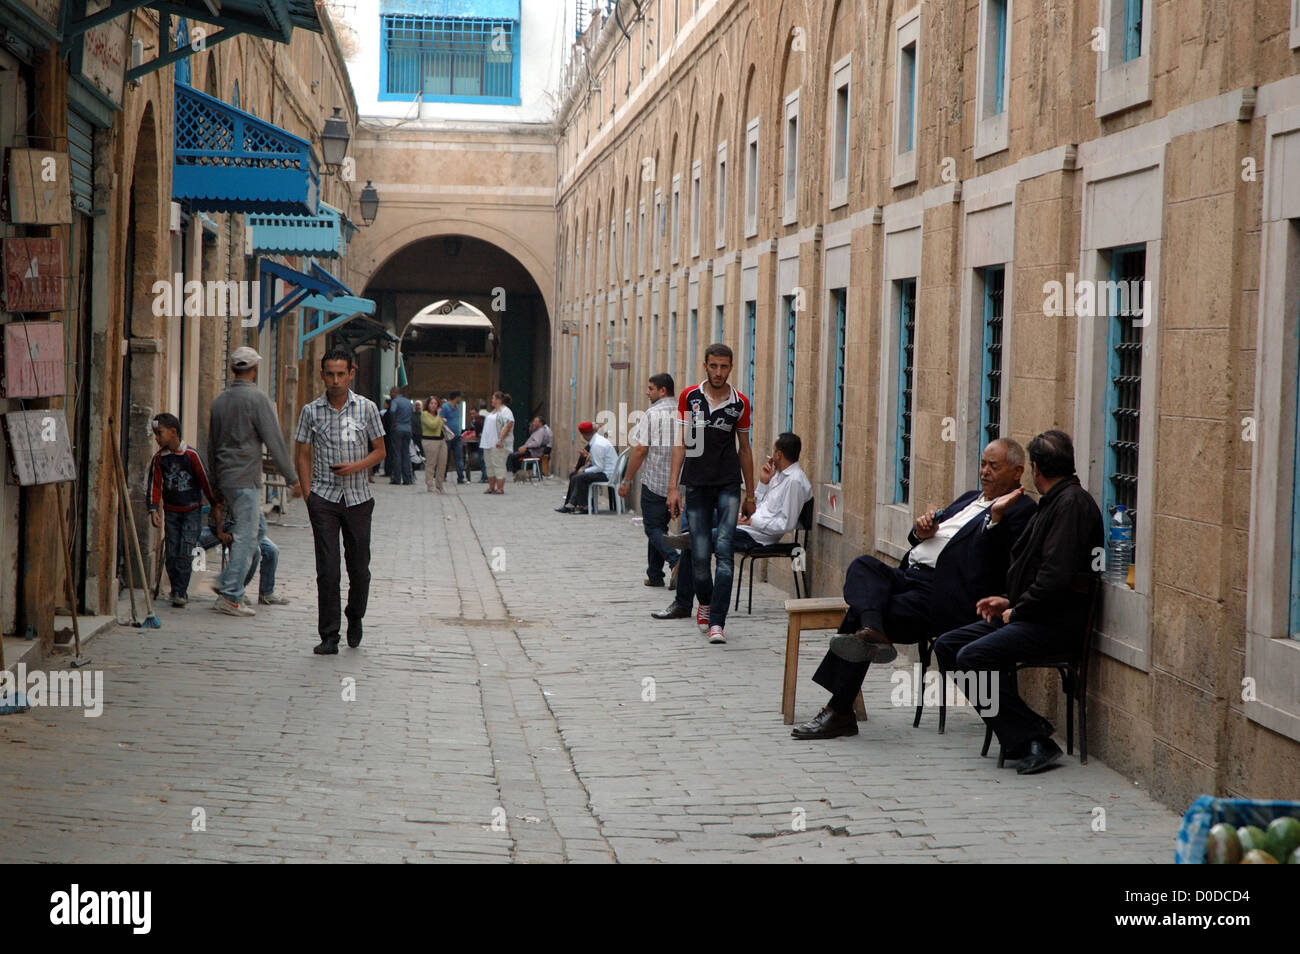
x,y
1045,607
711,457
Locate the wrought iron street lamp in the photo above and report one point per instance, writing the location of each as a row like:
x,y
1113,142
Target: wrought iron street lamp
x,y
334,139
369,203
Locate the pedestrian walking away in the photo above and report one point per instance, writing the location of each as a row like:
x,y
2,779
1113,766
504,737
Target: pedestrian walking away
x,y
400,414
339,437
240,421
450,413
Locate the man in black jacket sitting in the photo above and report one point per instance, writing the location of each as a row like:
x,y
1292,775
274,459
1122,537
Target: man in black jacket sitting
x,y
958,554
1045,607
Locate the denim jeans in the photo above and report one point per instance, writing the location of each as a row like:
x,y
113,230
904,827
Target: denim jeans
x,y
401,463
654,518
457,451
267,557
182,531
244,506
713,589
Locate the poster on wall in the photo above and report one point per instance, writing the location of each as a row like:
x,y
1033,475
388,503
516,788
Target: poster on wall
x,y
33,360
33,274
39,450
102,56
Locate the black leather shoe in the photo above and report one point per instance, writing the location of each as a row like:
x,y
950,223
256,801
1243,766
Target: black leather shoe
x,y
650,582
327,647
354,634
1042,753
866,645
564,509
674,611
827,724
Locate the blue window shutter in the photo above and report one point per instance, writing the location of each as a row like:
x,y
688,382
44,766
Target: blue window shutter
x,y
1000,64
903,430
840,296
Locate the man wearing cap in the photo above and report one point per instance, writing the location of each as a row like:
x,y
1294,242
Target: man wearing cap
x,y
240,421
603,462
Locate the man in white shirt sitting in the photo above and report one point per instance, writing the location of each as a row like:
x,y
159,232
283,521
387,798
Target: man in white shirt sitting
x,y
603,462
783,489
958,555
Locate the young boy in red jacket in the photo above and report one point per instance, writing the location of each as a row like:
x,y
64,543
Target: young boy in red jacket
x,y
178,483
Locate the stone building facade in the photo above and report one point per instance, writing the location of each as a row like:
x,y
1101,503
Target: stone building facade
x,y
129,352
902,217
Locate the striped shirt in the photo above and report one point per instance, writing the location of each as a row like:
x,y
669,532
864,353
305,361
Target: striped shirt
x,y
656,432
339,437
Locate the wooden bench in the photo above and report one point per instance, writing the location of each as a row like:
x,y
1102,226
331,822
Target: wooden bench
x,y
820,613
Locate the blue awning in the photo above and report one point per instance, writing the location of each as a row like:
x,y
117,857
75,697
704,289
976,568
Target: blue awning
x,y
479,9
342,305
319,236
227,160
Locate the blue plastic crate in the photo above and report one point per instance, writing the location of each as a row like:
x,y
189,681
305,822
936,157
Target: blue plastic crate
x,y
1207,811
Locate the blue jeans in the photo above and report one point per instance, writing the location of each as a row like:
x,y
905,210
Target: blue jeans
x,y
401,472
182,537
654,518
457,450
267,557
709,509
244,506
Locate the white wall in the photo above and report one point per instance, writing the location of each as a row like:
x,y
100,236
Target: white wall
x,y
545,32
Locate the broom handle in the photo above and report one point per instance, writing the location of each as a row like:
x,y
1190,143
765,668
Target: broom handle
x,y
67,572
126,552
135,540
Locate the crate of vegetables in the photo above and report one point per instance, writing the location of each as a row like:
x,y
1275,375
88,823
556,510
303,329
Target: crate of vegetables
x,y
1231,831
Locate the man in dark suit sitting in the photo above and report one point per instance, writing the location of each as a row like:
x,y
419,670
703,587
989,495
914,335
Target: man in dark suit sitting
x,y
1045,606
957,553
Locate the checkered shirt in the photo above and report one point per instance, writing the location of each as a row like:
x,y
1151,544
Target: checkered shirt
x,y
339,437
657,432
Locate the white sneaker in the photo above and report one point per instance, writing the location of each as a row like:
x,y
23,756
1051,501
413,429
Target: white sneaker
x,y
715,635
223,605
272,599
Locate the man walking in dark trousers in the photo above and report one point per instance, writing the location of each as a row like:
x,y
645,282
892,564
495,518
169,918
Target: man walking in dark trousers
x,y
339,439
1045,607
400,414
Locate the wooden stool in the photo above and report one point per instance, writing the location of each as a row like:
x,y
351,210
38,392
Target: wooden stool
x,y
824,612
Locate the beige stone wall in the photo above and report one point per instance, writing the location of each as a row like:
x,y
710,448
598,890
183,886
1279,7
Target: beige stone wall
x,y
1168,710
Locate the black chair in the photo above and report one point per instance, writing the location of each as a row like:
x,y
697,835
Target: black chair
x,y
1074,681
788,551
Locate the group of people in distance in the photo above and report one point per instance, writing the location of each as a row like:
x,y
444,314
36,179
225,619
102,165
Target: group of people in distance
x,y
991,580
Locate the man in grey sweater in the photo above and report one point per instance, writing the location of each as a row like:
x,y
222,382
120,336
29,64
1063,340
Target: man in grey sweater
x,y
240,421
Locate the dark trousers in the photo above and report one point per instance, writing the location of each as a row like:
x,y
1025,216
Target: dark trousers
x,y
399,467
182,531
654,519
578,484
888,599
327,520
997,647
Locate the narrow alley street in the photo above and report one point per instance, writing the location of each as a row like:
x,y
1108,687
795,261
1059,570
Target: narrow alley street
x,y
514,701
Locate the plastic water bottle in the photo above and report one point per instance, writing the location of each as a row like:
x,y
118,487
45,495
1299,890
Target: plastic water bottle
x,y
1119,547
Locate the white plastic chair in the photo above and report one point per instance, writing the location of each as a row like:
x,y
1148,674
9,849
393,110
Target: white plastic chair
x,y
620,469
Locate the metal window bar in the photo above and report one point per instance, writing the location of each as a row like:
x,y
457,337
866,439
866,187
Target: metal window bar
x,y
751,335
1000,54
906,341
791,327
1124,369
449,56
991,399
1132,29
840,300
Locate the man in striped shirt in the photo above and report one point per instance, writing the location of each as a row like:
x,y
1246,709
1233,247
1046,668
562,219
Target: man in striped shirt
x,y
339,439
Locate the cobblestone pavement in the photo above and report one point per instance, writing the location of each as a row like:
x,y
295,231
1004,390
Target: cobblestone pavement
x,y
502,712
